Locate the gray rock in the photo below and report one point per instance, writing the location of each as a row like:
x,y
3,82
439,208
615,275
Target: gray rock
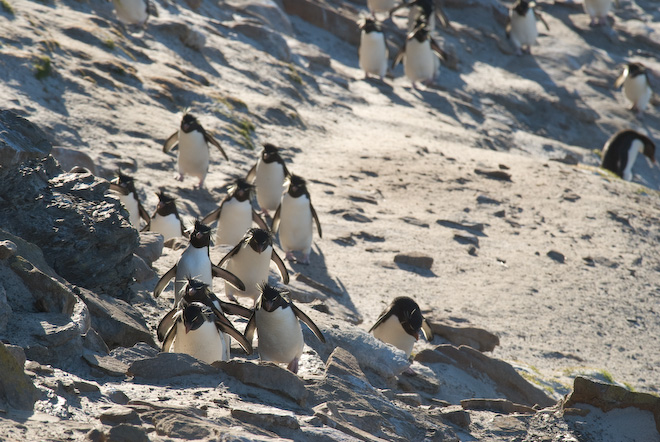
x,y
267,376
16,389
476,338
169,365
93,342
271,42
54,210
267,420
414,259
119,415
70,158
18,353
127,433
5,309
117,396
151,246
7,249
339,22
86,387
142,270
503,406
456,415
106,364
190,37
267,11
117,322
412,399
556,256
20,140
137,352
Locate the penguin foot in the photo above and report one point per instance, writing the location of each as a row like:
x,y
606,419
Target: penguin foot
x,y
293,366
232,298
179,178
305,259
201,184
289,256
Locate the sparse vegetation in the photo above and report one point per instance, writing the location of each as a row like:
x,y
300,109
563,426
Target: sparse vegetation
x,y
42,67
244,129
7,7
294,75
109,43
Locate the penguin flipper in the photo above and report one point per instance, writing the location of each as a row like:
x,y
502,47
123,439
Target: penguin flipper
x,y
235,309
280,266
251,175
143,213
539,16
118,188
617,84
426,329
228,276
208,219
382,318
169,339
151,8
251,327
165,324
172,141
444,20
231,253
210,139
399,56
307,320
316,219
507,30
276,220
225,326
435,47
163,281
259,221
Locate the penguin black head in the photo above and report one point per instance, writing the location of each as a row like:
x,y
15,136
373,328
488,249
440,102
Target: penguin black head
x,y
421,31
195,315
125,182
272,297
259,239
201,235
270,154
409,315
297,186
241,190
189,123
195,290
369,25
426,6
635,69
166,204
522,6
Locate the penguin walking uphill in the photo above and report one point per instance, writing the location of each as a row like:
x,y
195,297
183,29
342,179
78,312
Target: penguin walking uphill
x,y
193,142
293,220
521,29
250,261
124,186
134,12
235,214
372,51
400,325
166,219
620,152
268,177
423,10
198,326
598,10
195,263
275,320
636,81
420,55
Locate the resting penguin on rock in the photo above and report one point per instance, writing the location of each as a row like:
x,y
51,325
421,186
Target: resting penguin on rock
x,y
276,321
124,186
420,55
134,12
235,214
400,325
620,152
195,263
166,219
636,81
521,29
268,176
372,51
193,142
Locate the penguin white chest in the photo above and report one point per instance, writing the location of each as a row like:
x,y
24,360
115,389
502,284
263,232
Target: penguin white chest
x,y
635,147
131,205
251,267
131,12
597,8
295,230
523,28
235,219
373,53
280,335
194,263
637,90
392,332
419,62
169,226
269,184
206,343
193,154
380,5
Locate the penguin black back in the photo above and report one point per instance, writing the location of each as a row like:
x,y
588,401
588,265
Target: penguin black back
x,y
616,150
126,182
407,312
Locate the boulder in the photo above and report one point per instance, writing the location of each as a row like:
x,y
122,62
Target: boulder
x,y
339,21
266,11
16,389
20,140
70,158
270,41
151,246
5,309
169,365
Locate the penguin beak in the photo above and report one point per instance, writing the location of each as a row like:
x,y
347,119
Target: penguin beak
x,y
187,326
416,336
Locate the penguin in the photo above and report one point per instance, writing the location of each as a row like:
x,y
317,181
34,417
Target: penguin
x,y
636,86
275,319
420,55
400,325
293,219
268,177
620,152
197,291
372,51
193,143
195,263
134,12
124,185
425,10
375,6
521,28
235,214
199,332
166,219
250,261
598,10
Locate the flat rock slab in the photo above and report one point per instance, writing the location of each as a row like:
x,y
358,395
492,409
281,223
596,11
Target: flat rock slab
x,y
414,259
20,140
169,365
